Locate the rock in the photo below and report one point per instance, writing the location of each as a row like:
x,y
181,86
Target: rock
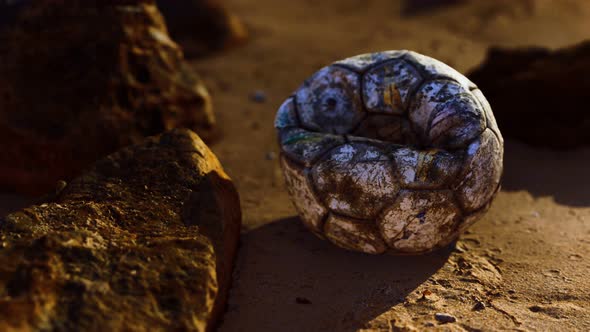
x,y
445,318
538,95
144,240
9,10
202,26
96,77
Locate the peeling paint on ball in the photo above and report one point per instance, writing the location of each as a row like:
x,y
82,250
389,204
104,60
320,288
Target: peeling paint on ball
x,y
389,152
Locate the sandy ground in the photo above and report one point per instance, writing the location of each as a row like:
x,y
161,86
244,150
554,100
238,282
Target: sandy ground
x,y
526,262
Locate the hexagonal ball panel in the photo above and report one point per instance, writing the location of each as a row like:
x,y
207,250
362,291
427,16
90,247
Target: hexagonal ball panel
x,y
426,169
303,197
330,101
435,68
305,146
430,95
483,169
490,118
456,123
473,217
356,235
355,180
361,62
286,115
386,87
420,221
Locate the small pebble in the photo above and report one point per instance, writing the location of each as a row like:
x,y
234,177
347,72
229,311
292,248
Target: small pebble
x,y
478,306
302,300
258,96
61,185
444,317
459,249
425,295
535,308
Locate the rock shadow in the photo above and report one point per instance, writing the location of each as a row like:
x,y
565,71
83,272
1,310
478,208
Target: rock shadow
x,y
13,202
564,175
10,9
418,7
288,280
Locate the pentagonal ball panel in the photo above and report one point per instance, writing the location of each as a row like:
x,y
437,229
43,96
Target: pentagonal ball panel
x,y
483,169
330,101
355,180
305,146
356,235
303,197
420,221
387,87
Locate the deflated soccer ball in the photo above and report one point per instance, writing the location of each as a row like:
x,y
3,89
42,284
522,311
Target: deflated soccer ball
x,y
391,151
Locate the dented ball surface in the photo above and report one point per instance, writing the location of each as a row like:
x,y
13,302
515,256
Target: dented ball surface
x,y
389,152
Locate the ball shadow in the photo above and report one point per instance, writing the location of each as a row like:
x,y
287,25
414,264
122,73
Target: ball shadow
x,y
545,172
288,280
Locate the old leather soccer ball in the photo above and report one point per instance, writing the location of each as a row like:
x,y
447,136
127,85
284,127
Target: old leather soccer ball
x,y
391,151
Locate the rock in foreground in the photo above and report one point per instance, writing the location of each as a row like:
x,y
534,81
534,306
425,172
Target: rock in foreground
x,y
80,80
539,96
144,241
202,26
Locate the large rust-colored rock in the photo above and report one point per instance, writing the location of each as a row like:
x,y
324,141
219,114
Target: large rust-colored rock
x,y
202,26
80,79
143,241
539,96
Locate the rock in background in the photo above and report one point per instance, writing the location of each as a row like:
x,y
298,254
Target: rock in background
x,y
538,95
9,10
144,241
79,79
202,26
